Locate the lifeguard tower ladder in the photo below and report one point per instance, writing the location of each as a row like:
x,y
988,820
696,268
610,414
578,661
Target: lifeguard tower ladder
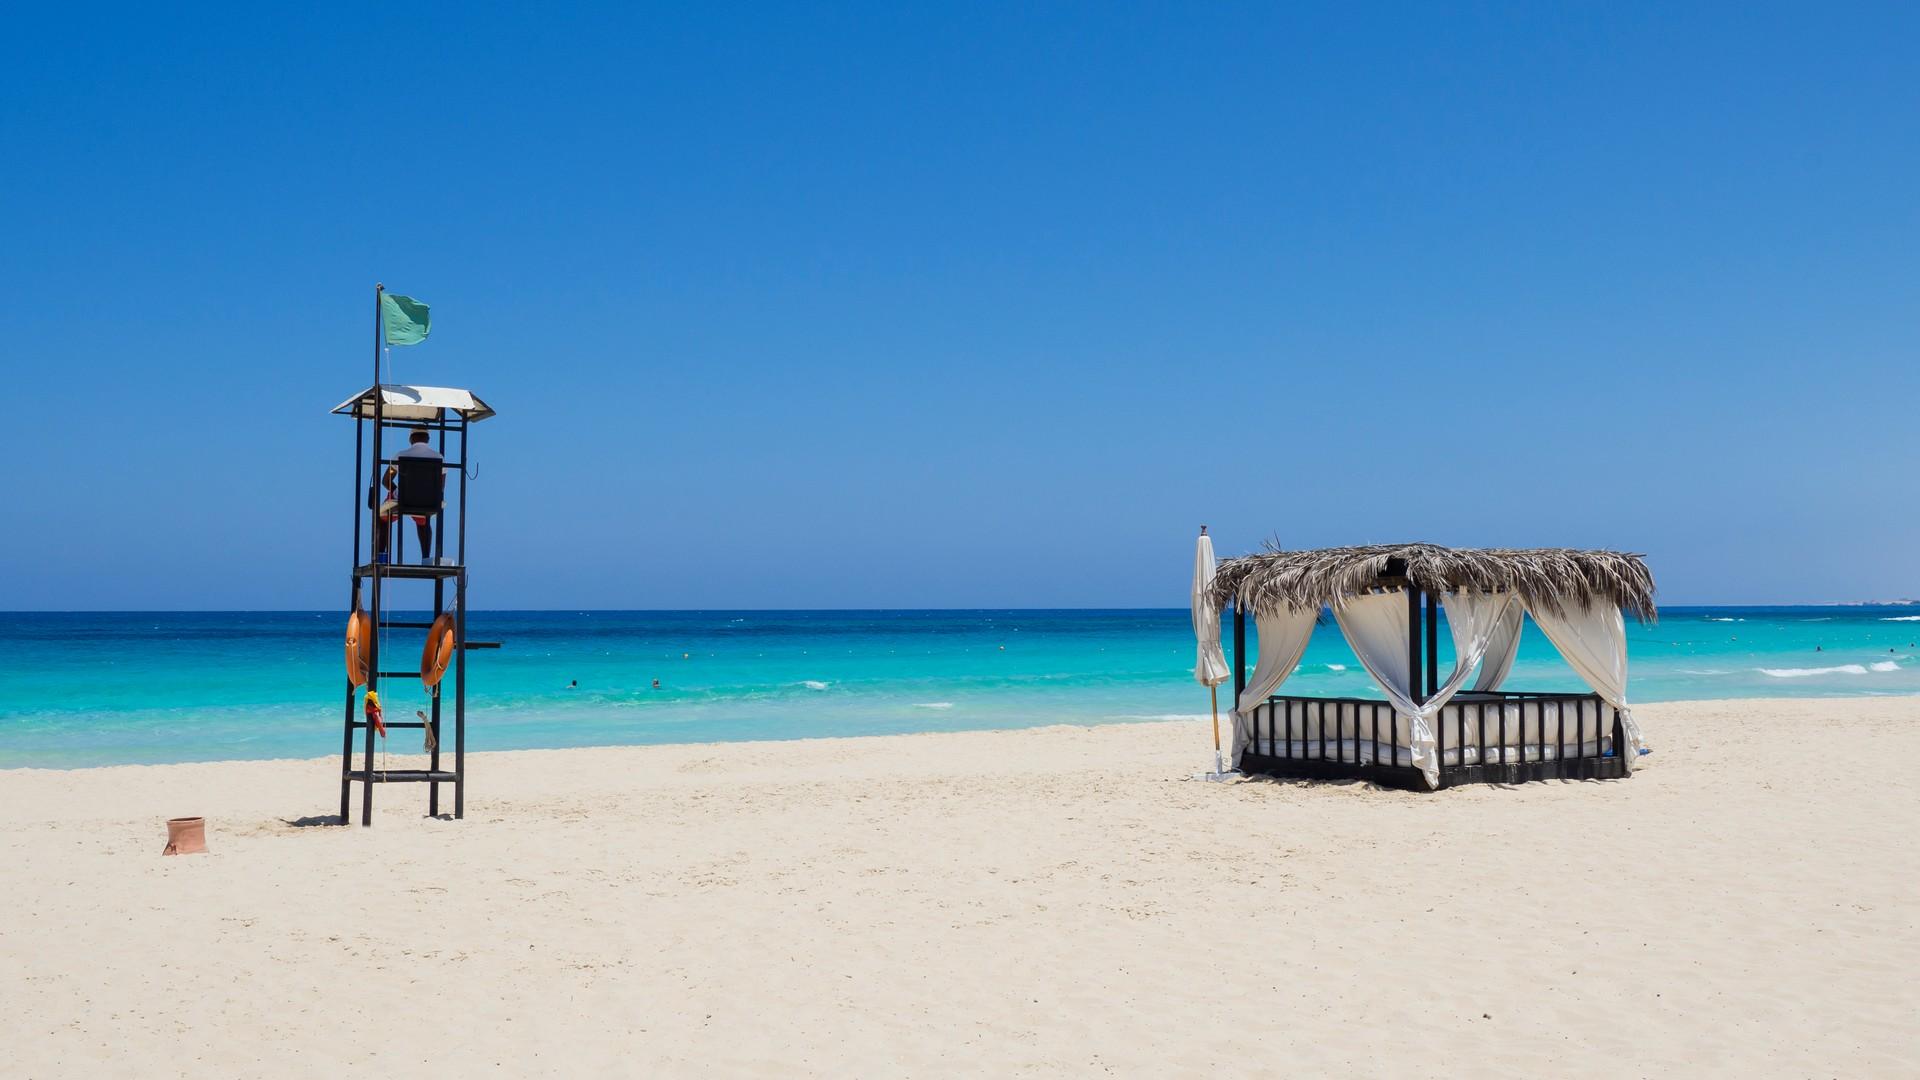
x,y
376,411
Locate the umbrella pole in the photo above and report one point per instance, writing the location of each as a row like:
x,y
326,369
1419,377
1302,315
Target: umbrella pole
x,y
1219,766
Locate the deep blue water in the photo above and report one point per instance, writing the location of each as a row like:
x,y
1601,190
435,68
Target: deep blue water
x,y
115,687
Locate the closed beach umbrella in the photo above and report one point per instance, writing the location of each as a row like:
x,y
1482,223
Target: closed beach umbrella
x,y
1210,665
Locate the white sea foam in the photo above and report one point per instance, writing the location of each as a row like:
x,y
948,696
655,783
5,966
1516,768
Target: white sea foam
x,y
933,704
1722,618
1336,667
1901,618
1841,669
1705,671
813,684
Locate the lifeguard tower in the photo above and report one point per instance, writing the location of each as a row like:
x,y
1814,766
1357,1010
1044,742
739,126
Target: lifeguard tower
x,y
384,417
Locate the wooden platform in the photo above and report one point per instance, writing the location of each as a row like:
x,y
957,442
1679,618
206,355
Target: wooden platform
x,y
406,570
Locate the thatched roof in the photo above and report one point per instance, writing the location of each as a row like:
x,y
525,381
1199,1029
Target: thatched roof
x,y
1550,579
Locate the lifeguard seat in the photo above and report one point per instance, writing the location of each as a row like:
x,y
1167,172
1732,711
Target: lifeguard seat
x,y
420,485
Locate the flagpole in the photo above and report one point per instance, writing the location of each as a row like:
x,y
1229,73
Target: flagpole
x,y
379,414
378,321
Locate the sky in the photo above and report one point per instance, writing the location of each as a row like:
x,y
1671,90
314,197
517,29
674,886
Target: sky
x,y
968,305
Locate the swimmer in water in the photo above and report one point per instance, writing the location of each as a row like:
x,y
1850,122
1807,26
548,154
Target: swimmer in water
x,y
656,684
574,685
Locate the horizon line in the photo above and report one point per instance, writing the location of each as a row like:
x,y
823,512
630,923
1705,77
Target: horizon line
x,y
824,610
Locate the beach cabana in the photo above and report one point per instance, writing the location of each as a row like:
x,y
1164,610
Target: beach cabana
x,y
1433,728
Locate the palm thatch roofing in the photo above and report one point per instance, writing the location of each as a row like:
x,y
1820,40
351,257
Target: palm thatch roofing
x,y
1550,579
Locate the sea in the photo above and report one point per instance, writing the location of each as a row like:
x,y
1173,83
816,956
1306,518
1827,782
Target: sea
x,y
110,688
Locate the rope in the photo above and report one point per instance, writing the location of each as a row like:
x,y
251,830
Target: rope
x,y
388,539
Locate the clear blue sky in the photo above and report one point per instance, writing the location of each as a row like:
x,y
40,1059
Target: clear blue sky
x,y
899,307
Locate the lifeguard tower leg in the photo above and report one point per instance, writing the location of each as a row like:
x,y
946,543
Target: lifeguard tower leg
x,y
460,696
346,761
433,764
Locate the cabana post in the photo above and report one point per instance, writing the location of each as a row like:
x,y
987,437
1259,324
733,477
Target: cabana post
x,y
1432,731
1239,650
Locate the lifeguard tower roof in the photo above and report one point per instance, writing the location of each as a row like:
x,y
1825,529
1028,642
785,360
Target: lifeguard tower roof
x,y
416,403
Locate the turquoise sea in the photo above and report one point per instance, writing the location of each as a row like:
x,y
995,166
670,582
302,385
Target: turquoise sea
x,y
100,688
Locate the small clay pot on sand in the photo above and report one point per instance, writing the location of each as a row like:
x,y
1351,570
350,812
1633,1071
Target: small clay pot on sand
x,y
186,836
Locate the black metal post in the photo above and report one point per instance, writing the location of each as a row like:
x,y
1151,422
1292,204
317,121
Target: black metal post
x,y
1413,645
1239,654
353,602
1433,644
359,455
440,519
460,685
1433,682
433,755
465,457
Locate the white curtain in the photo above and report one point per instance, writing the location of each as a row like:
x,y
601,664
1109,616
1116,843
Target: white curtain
x,y
1594,643
1501,649
1283,638
1210,666
1375,625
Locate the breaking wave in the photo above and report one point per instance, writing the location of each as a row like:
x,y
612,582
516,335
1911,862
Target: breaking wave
x,y
1842,669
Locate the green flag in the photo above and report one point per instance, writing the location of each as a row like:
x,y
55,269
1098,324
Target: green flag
x,y
406,318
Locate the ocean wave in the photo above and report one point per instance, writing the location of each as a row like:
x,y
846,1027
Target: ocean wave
x,y
1722,618
1704,671
813,684
1336,667
1901,618
933,704
1842,669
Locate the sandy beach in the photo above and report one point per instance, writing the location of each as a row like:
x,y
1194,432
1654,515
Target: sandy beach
x,y
1051,901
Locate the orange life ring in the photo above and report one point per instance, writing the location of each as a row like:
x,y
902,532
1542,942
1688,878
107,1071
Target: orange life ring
x,y
439,651
359,635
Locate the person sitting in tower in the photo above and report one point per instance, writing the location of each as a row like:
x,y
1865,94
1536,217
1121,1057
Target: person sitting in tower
x,y
417,447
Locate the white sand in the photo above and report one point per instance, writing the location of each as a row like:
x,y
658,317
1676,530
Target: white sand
x,y
1051,901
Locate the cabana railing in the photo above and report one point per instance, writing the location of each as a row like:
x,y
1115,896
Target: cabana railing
x,y
1500,737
